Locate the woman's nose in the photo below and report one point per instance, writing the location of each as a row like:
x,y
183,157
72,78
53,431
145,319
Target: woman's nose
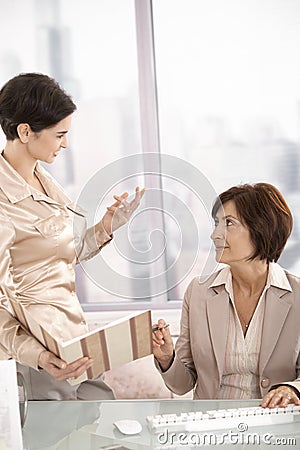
x,y
218,232
64,142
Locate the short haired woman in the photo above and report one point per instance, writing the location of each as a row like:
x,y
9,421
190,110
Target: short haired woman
x,y
38,249
240,328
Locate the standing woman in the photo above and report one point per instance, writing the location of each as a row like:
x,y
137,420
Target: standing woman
x,y
240,328
38,249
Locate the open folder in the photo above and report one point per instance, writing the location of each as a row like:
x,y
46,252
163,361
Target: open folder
x,y
110,346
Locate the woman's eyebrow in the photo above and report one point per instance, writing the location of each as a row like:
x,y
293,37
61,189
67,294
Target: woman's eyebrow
x,y
229,216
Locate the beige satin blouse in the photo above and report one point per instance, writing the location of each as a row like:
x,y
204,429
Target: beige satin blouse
x,y
42,238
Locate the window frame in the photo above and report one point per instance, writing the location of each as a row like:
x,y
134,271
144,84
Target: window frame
x,y
149,122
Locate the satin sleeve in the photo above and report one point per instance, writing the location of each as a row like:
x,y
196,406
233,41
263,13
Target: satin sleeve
x,y
88,241
15,341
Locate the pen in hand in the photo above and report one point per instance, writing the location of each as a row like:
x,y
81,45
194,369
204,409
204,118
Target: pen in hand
x,y
156,328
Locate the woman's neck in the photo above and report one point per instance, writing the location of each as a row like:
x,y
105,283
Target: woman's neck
x,y
15,153
250,277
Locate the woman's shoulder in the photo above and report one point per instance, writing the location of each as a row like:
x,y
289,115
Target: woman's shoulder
x,y
293,279
55,189
204,282
284,279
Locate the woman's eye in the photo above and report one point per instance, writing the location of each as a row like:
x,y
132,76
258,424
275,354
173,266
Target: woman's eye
x,y
229,222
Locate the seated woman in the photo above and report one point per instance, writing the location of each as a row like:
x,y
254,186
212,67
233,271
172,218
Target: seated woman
x,y
240,327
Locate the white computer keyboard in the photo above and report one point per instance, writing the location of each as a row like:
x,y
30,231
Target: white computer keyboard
x,y
223,419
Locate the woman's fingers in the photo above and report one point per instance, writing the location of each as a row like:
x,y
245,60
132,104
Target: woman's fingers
x,y
133,205
77,368
161,333
128,207
60,370
163,348
120,198
49,360
120,212
281,396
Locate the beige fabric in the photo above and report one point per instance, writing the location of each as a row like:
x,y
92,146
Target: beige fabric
x,y
200,349
38,252
240,377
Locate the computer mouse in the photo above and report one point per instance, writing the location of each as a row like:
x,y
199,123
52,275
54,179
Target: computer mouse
x,y
128,426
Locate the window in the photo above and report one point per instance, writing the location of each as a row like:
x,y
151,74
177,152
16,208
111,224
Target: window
x,y
90,48
225,78
228,94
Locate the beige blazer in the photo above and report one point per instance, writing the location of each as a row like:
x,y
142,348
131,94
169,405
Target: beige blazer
x,y
200,349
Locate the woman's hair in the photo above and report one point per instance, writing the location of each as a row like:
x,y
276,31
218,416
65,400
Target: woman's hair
x,y
263,210
35,99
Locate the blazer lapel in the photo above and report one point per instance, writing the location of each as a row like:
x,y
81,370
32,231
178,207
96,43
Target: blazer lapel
x,y
276,311
217,312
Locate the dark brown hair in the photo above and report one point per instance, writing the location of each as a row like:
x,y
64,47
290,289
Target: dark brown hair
x,y
263,210
35,99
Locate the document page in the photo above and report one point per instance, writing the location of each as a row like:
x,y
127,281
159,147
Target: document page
x,y
10,422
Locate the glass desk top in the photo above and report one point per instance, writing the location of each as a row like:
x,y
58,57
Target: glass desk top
x,y
86,425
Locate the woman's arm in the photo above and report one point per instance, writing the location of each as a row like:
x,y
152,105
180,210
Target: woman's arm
x,y
180,377
163,348
15,342
281,394
285,393
89,241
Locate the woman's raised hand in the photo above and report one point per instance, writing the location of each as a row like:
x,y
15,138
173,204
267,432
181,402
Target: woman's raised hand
x,y
120,212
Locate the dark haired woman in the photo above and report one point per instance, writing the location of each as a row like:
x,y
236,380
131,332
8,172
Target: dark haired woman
x,y
38,249
240,328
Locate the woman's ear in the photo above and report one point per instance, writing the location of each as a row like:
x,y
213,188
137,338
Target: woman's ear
x,y
24,132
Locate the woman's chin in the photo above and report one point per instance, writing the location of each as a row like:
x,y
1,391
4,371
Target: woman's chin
x,y
219,258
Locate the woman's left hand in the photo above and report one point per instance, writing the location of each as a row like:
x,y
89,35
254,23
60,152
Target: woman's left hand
x,y
281,396
120,212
